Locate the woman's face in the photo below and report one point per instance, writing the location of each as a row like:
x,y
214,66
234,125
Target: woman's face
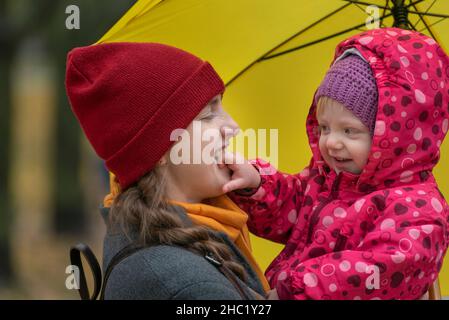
x,y
192,170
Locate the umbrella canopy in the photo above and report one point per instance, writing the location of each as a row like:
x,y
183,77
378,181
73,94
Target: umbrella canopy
x,y
273,54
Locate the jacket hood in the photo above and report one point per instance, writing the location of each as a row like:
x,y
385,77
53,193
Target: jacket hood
x,y
412,76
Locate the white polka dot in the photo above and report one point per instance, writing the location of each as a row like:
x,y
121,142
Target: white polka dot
x,y
305,173
380,128
410,77
411,148
417,134
365,40
403,114
401,49
282,276
406,176
345,265
445,125
361,267
440,63
442,84
310,280
332,244
429,54
415,214
359,204
414,233
405,61
407,162
421,275
424,76
340,212
427,228
421,192
417,256
398,257
430,41
332,287
327,221
377,155
292,216
395,139
392,33
408,199
357,298
394,99
436,204
387,224
405,32
407,279
420,96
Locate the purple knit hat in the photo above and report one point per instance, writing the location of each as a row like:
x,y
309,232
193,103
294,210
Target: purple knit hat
x,y
350,81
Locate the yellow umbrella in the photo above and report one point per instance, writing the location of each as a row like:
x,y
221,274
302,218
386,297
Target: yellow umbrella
x,y
273,54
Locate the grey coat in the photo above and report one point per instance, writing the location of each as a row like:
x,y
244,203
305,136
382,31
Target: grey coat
x,y
169,272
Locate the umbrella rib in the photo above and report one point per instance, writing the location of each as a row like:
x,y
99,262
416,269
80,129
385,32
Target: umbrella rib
x,y
285,41
330,36
383,12
316,41
425,23
427,10
432,24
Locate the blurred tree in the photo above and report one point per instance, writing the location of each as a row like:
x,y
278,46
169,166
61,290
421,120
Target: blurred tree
x,y
96,17
46,19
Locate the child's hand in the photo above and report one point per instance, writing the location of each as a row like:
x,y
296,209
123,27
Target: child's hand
x,y
244,175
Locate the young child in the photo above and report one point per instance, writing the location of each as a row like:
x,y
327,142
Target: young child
x,y
365,219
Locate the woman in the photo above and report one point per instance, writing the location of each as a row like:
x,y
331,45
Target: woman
x,y
131,100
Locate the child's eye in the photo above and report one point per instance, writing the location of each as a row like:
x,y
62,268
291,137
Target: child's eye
x,y
350,131
322,129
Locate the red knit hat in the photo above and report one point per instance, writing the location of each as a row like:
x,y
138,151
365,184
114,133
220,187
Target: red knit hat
x,y
129,97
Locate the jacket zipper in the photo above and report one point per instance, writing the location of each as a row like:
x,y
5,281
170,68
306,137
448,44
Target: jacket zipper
x,y
315,216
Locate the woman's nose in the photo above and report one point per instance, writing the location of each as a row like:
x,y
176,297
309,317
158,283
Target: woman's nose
x,y
230,128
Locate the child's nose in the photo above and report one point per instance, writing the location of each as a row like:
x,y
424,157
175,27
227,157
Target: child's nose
x,y
334,142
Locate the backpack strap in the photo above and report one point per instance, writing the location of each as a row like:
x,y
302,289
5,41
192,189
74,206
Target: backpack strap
x,y
100,283
75,259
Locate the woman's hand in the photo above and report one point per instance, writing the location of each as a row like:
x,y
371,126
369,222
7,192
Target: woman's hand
x,y
244,175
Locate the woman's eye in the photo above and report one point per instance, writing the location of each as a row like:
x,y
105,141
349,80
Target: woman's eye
x,y
208,117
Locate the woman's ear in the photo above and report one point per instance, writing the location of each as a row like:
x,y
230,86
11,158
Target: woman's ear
x,y
163,161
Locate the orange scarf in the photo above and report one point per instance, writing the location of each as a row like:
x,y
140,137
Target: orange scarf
x,y
220,214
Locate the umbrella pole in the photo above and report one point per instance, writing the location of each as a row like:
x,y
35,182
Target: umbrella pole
x,y
400,14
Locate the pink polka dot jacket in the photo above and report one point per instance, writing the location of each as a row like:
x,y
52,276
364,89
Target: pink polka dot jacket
x,y
381,234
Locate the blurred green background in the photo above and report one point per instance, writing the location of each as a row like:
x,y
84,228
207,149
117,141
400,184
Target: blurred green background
x,y
50,182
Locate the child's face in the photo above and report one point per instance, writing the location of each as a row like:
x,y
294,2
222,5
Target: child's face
x,y
345,142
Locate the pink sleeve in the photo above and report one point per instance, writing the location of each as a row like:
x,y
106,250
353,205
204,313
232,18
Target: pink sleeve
x,y
399,259
273,207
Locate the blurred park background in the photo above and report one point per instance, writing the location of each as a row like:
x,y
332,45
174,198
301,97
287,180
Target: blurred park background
x,y
51,182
